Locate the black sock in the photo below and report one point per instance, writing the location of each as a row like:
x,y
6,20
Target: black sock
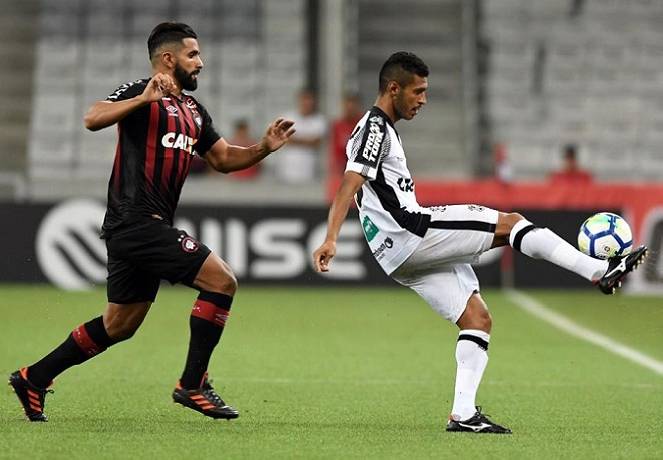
x,y
86,341
208,317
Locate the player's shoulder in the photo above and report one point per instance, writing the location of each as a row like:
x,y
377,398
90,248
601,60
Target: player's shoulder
x,y
133,87
377,117
375,120
192,103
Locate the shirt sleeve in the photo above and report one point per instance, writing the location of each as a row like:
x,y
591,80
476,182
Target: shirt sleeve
x,y
367,148
127,91
208,133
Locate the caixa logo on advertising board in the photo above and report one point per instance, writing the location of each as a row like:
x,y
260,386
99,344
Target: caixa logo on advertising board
x,y
258,246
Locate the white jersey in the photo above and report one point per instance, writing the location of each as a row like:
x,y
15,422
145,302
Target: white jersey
x,y
393,222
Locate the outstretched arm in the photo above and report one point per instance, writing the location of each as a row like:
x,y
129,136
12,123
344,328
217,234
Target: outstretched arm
x,y
352,182
227,158
104,113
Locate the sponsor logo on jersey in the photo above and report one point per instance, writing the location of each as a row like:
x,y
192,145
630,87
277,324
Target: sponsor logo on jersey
x,y
376,119
370,229
405,184
190,104
188,243
388,243
476,207
180,141
196,117
172,111
373,143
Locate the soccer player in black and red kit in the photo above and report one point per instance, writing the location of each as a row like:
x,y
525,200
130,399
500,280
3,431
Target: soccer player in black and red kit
x,y
160,128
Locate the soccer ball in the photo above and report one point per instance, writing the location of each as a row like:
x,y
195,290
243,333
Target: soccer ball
x,y
605,235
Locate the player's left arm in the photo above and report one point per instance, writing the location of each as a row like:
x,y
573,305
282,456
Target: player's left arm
x,y
226,158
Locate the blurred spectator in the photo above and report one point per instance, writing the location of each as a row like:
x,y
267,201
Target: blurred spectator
x,y
298,160
503,170
341,130
571,173
242,136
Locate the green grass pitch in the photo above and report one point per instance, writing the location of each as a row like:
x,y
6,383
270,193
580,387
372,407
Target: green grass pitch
x,y
339,373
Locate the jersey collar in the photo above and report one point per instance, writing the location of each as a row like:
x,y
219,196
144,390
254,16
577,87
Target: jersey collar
x,y
384,115
387,119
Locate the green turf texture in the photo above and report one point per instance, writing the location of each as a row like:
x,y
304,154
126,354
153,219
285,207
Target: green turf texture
x,y
338,373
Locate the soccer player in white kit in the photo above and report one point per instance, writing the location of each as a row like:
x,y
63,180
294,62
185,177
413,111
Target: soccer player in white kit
x,y
430,249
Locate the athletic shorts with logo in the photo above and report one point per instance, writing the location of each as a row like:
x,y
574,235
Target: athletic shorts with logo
x,y
143,253
439,269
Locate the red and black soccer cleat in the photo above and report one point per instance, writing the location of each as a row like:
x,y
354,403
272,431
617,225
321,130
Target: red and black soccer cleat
x,y
30,396
204,400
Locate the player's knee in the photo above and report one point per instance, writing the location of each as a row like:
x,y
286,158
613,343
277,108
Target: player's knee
x,y
486,321
230,285
226,284
513,218
505,225
481,320
476,316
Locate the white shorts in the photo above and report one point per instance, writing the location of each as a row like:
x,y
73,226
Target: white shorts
x,y
439,269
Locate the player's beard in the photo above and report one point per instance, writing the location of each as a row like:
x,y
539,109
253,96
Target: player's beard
x,y
185,79
400,108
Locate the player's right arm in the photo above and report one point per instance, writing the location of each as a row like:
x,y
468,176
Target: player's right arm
x,y
106,113
352,182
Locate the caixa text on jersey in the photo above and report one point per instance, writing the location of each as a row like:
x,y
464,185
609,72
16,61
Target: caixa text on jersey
x,y
180,141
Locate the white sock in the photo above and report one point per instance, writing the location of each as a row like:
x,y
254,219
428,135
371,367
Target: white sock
x,y
541,243
471,357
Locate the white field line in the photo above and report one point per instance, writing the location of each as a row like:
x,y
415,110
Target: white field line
x,y
537,309
385,382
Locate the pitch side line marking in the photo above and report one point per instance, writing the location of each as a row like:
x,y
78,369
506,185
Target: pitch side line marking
x,y
295,381
537,309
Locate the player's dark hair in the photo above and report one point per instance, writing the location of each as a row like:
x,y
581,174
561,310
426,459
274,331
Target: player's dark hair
x,y
168,32
400,67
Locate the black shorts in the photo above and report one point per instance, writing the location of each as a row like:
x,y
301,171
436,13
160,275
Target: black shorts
x,y
143,253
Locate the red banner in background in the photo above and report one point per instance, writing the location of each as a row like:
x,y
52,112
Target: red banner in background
x,y
641,205
636,199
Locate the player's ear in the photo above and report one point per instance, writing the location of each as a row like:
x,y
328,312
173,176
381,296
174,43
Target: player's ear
x,y
393,88
168,59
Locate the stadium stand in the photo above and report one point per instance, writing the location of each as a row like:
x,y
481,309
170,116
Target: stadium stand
x,y
559,71
88,48
17,36
436,141
589,73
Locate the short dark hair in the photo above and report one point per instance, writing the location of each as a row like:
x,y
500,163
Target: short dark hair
x,y
570,151
241,123
307,91
400,67
168,32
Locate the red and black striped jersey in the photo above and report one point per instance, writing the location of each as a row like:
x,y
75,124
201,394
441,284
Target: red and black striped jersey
x,y
155,147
